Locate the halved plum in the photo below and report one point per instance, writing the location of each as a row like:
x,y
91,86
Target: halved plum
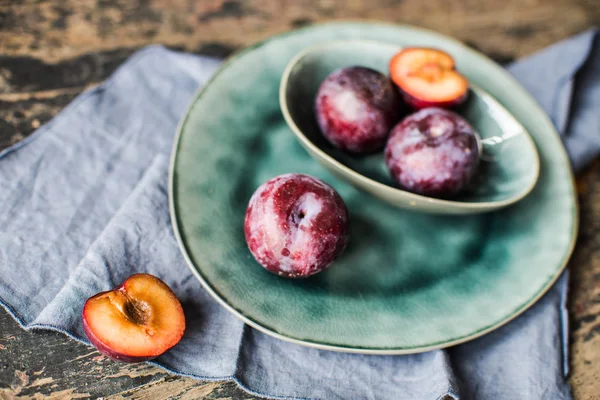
x,y
428,78
137,321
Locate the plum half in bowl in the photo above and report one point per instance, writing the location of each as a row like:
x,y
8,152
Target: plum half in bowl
x,y
507,172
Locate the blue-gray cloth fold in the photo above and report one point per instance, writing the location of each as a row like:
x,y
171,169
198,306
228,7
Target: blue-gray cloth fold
x,y
83,204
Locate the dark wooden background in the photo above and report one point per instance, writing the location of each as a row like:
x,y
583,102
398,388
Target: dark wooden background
x,y
51,50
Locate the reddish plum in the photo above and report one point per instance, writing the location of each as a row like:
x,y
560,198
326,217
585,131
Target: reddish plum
x,y
433,152
356,108
296,225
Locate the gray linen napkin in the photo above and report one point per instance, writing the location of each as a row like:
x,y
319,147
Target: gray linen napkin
x,y
83,204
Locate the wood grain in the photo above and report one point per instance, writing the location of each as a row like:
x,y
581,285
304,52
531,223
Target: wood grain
x,y
51,50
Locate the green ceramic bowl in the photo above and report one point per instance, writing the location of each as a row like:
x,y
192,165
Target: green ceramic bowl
x,y
408,282
508,171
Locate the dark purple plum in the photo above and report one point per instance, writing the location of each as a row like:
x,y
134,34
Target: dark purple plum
x,y
433,152
296,225
356,108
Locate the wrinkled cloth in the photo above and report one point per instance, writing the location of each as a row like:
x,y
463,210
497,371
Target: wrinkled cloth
x,y
84,204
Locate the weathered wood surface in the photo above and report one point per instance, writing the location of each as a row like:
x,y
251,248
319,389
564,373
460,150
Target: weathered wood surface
x,y
51,50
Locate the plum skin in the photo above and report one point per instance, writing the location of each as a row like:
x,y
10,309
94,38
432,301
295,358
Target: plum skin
x,y
356,107
433,152
296,225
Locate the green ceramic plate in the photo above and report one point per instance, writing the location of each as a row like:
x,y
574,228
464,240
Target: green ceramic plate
x,y
408,282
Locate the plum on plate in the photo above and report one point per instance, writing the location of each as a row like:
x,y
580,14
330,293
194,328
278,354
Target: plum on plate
x,y
356,107
296,225
428,78
433,152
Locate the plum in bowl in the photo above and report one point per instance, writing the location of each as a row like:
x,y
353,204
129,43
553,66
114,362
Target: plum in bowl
x,y
507,174
356,108
433,152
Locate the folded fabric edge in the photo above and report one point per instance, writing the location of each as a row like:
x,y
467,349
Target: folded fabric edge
x,y
140,185
564,322
135,58
583,143
450,395
33,327
560,109
447,395
562,104
82,339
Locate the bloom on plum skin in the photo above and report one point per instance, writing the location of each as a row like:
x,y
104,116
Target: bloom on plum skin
x,y
356,108
296,225
433,152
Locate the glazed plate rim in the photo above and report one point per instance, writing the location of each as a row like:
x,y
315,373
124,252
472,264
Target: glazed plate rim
x,y
457,206
356,349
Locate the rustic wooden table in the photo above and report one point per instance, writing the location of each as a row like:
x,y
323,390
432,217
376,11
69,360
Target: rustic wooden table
x,y
51,50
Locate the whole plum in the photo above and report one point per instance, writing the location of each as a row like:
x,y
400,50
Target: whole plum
x,y
433,152
356,108
296,225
